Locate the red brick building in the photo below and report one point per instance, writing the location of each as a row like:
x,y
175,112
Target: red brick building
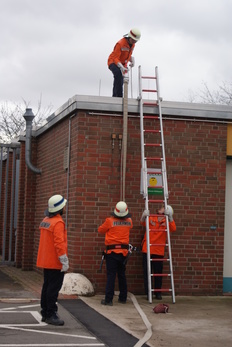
x,y
79,159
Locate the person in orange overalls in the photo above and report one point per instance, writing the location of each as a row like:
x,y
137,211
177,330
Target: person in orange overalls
x,y
119,58
117,230
157,240
52,257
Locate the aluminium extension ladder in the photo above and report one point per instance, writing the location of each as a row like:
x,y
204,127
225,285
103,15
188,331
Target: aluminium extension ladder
x,y
154,185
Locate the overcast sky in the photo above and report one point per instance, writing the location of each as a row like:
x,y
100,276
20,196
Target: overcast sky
x,y
59,48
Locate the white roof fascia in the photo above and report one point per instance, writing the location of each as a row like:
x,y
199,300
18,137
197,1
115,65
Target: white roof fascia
x,y
112,105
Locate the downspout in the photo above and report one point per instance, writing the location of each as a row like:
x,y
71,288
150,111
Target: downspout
x,y
29,116
68,171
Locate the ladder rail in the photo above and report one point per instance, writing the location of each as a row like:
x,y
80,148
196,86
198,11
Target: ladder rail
x,y
162,136
144,185
143,190
148,237
170,261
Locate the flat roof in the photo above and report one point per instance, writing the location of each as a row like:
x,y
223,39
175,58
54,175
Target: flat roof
x,y
102,105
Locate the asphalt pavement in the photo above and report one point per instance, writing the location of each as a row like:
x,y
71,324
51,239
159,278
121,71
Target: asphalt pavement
x,y
21,325
191,322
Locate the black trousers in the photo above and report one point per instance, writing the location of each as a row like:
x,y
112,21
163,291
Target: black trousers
x,y
156,268
53,280
118,80
115,266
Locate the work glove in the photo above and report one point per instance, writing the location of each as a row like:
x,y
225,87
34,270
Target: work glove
x,y
145,214
65,263
132,62
169,212
122,68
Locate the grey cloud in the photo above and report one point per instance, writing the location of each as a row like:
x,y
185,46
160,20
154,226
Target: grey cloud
x,y
60,48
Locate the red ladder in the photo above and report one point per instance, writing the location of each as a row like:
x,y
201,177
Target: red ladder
x,y
152,141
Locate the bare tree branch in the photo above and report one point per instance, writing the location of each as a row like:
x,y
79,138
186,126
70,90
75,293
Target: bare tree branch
x,y
12,121
220,96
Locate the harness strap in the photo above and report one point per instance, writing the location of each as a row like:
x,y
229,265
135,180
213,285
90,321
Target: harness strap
x,y
120,246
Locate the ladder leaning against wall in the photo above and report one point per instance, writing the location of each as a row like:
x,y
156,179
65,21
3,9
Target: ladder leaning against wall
x,y
154,185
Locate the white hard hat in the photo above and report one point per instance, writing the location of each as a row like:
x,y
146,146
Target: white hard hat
x,y
135,34
121,209
56,203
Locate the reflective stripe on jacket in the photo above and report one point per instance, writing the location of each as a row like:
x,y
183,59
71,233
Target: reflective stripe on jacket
x,y
157,237
121,53
117,231
53,242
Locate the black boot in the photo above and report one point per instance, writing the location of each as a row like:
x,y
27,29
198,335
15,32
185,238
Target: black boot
x,y
54,320
158,296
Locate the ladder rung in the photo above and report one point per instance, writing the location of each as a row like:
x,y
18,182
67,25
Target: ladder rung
x,y
152,200
149,90
149,77
153,144
151,117
150,104
162,290
162,259
160,275
153,158
152,131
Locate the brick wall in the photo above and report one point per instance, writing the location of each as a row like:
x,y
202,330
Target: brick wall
x,y
196,164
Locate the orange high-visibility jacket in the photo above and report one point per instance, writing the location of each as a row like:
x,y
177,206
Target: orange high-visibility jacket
x,y
53,242
117,231
159,236
122,53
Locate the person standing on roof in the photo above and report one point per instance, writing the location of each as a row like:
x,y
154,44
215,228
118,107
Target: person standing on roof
x,y
158,237
52,257
119,58
117,230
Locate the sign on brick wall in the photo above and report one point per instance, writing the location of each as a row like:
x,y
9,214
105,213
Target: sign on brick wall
x,y
154,184
154,181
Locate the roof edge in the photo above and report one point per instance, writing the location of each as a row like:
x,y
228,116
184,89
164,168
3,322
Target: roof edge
x,y
115,105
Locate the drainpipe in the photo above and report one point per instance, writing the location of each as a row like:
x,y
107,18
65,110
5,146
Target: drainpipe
x,y
29,116
68,171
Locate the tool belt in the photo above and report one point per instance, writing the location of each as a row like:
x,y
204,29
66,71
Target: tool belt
x,y
120,246
129,247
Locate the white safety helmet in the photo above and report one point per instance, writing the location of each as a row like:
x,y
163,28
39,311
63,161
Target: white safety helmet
x,y
56,203
121,209
135,34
